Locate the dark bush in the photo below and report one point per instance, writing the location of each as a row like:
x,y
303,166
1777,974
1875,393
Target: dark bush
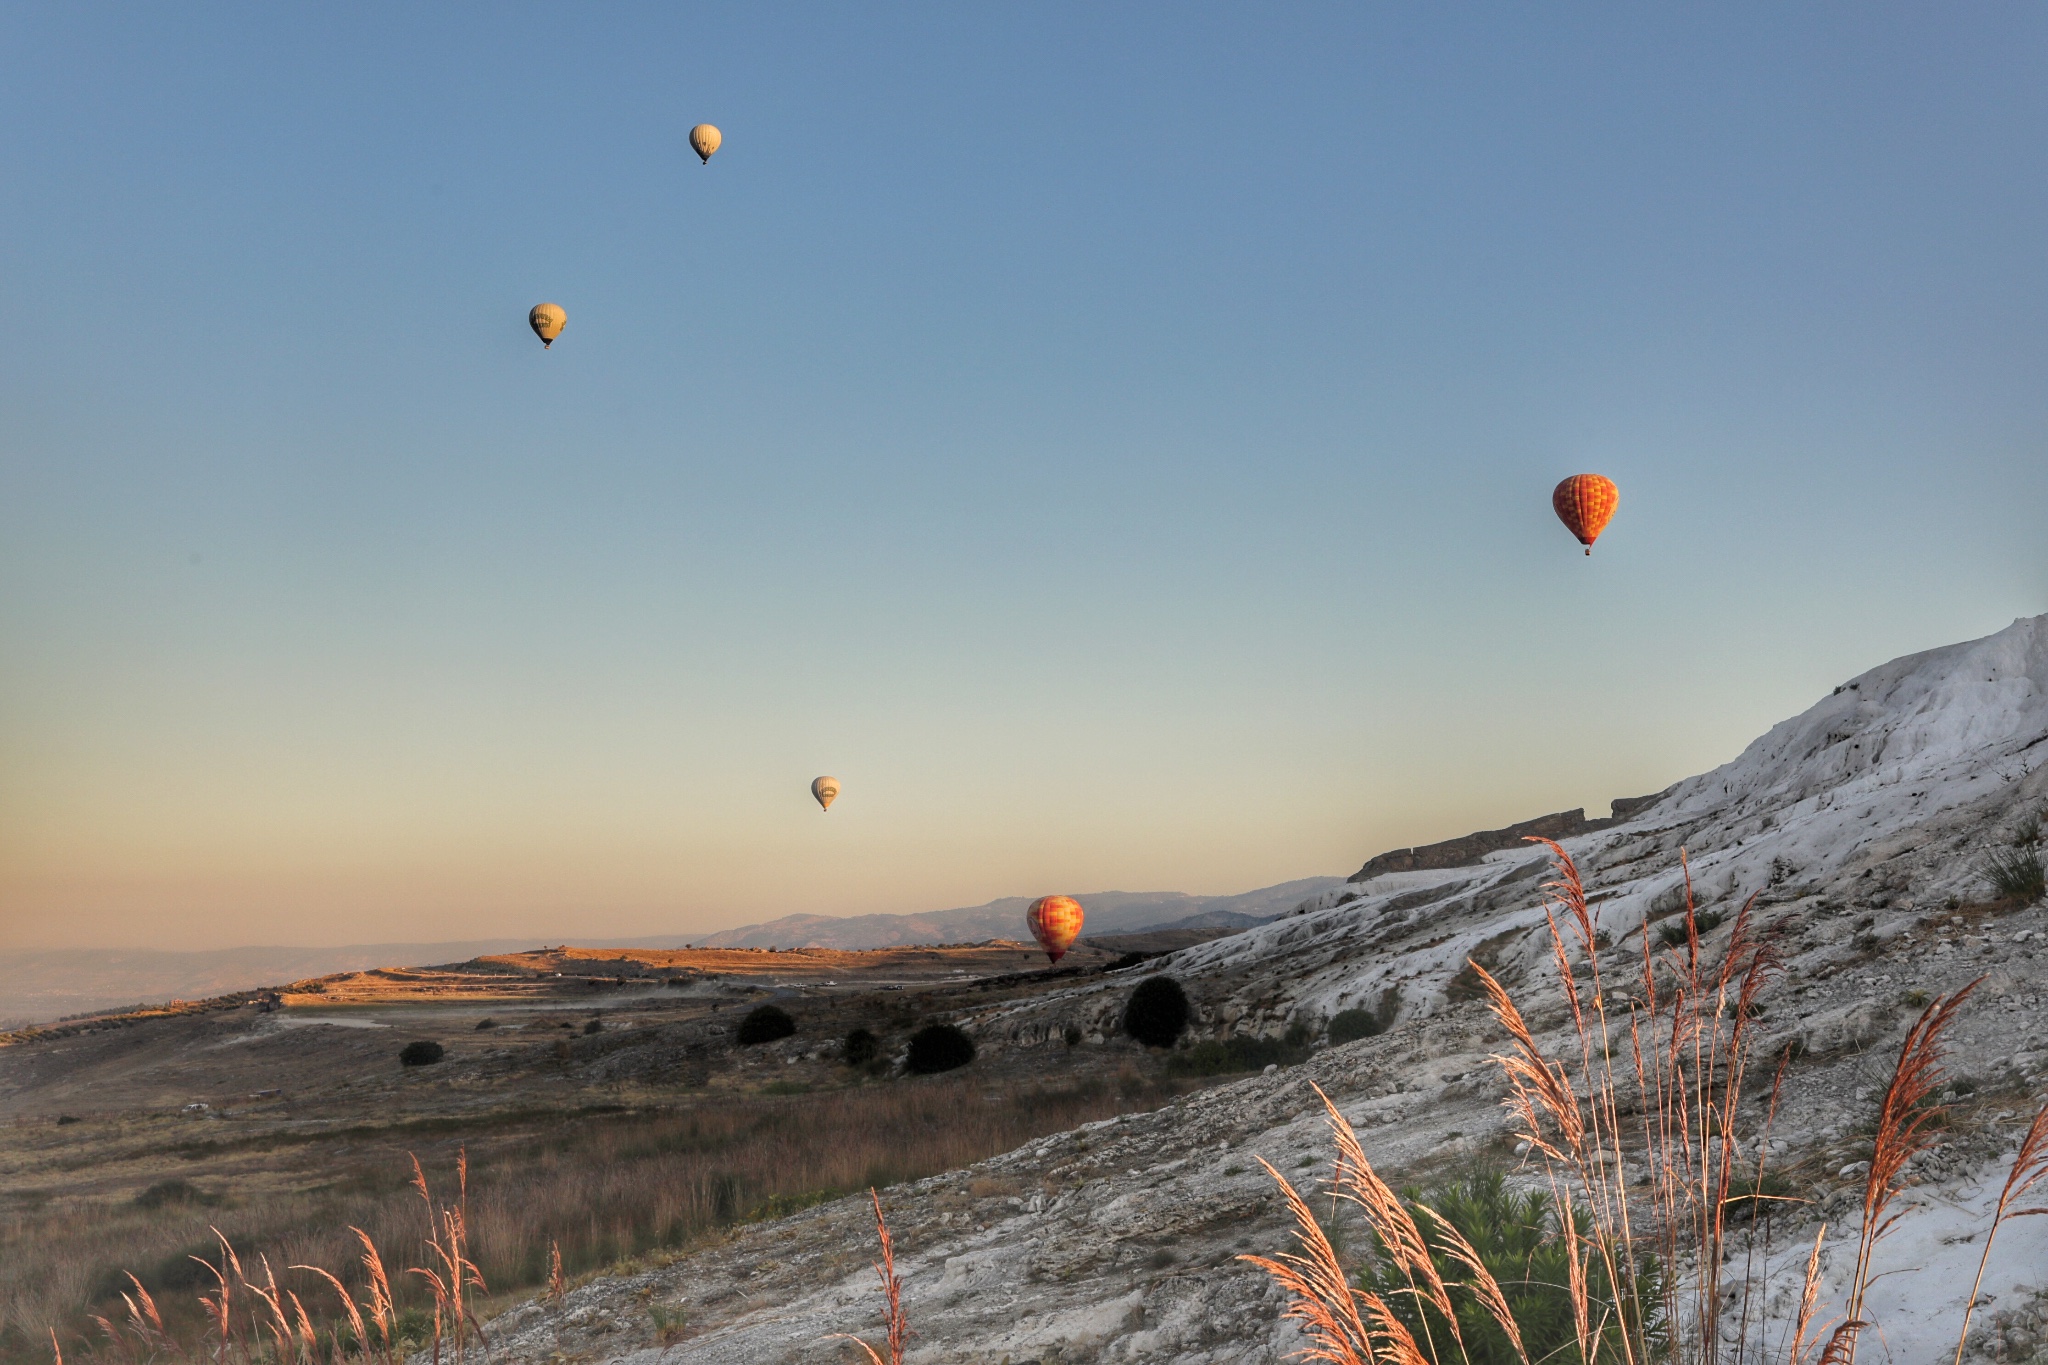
x,y
764,1024
1348,1026
486,1023
1705,922
425,1052
1157,1013
594,1026
938,1047
862,1047
1214,1058
167,1192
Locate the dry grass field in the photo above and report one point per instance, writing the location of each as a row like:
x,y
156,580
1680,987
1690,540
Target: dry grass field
x,y
604,1107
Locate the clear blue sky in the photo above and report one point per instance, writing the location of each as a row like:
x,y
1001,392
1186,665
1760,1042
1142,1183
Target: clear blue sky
x,y
1115,440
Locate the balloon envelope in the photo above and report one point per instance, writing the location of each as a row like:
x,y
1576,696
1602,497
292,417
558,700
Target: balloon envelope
x,y
547,321
1055,922
825,788
1584,502
704,140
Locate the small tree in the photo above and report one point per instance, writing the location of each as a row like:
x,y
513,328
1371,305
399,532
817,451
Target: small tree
x,y
764,1024
938,1047
1157,1012
425,1052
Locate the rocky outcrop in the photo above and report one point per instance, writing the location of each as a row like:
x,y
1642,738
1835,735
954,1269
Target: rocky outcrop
x,y
1473,847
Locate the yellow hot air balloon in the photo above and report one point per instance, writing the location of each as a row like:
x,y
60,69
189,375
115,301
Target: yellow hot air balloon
x,y
824,788
547,321
704,140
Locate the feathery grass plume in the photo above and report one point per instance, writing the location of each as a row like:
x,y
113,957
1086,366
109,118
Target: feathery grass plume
x,y
348,1308
219,1305
1906,1122
1395,1229
456,1274
383,1312
1322,1299
892,1296
1477,1223
1348,1325
1809,1295
2029,1165
558,1288
1673,1101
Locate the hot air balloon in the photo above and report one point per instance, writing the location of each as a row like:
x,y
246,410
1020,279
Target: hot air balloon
x,y
547,321
824,788
704,140
1055,922
1583,503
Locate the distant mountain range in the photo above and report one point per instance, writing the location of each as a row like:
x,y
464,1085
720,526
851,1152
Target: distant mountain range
x,y
44,984
1109,912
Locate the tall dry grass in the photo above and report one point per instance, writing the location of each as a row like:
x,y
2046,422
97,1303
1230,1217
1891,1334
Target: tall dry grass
x,y
896,1326
1657,1148
541,1207
251,1319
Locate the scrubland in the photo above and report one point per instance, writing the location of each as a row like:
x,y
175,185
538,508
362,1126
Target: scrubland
x,y
648,1135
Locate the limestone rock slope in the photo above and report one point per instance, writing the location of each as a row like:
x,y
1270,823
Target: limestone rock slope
x,y
1861,827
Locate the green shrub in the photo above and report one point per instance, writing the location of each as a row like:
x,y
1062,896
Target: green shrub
x,y
764,1024
424,1052
938,1047
1348,1026
1673,935
1157,1013
2016,875
1220,1057
1517,1238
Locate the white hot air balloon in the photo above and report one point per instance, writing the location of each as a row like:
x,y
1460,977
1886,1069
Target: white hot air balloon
x,y
824,788
704,140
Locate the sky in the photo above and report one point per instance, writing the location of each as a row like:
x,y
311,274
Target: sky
x,y
1116,441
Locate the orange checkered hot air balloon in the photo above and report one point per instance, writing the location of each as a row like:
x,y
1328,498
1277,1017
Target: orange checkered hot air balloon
x,y
1055,922
1583,503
